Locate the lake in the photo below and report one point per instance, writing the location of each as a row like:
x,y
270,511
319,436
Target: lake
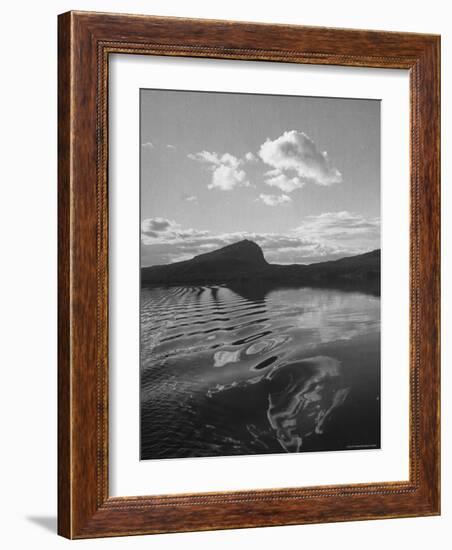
x,y
245,370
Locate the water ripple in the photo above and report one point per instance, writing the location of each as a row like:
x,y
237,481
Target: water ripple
x,y
224,374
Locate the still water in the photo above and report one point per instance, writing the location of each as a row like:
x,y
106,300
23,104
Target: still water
x,y
245,371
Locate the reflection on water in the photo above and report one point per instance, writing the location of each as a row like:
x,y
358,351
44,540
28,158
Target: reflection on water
x,y
230,371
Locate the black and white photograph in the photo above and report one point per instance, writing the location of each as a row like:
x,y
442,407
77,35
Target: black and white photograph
x,y
259,275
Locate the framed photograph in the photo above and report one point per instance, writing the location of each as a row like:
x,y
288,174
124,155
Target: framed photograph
x,y
248,275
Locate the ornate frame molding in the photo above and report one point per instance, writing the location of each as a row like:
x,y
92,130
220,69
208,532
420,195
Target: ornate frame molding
x,y
85,42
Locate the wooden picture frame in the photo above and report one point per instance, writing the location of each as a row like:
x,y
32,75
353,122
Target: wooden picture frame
x,y
85,42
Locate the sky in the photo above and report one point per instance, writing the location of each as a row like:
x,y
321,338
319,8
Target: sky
x,y
300,176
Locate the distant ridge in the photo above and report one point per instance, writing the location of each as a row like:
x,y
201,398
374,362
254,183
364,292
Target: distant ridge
x,y
244,262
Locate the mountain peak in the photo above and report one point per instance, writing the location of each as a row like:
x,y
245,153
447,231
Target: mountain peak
x,y
244,251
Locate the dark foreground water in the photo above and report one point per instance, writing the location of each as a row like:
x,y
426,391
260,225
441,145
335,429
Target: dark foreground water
x,y
233,372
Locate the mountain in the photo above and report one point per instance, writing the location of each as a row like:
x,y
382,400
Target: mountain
x,y
244,262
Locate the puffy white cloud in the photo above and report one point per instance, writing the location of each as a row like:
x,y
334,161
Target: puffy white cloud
x,y
227,171
226,177
169,146
296,153
191,198
148,145
250,157
274,200
287,184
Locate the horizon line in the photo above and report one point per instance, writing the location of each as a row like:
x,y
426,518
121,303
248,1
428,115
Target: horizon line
x,y
260,248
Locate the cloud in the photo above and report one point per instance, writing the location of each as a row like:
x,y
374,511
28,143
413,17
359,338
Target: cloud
x,y
169,146
166,231
328,236
340,226
250,157
227,171
156,225
226,177
148,145
274,200
295,152
276,178
190,198
346,232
